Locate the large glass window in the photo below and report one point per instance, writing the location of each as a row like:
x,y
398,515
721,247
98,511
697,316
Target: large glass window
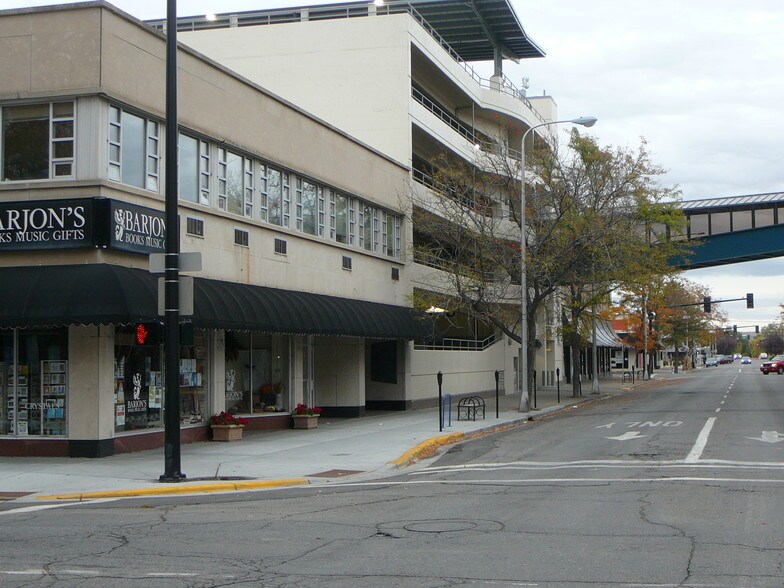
x,y
194,170
256,375
720,223
38,141
139,379
763,217
134,149
741,219
275,197
367,227
698,225
34,382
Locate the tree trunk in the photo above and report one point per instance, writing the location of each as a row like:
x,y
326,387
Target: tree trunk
x,y
675,361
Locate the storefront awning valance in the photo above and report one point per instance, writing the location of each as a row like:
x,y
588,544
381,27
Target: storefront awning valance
x,y
45,296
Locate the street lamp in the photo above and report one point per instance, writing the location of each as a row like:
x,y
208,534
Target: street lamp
x,y
586,121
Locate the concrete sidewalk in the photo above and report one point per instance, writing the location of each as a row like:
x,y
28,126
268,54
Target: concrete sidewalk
x,y
371,446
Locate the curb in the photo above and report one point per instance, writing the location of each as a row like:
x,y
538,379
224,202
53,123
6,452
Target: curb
x,y
426,449
186,489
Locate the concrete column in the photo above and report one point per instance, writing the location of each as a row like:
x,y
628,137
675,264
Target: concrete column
x,y
217,372
90,400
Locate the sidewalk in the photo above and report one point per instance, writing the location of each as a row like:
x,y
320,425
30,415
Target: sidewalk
x,y
361,448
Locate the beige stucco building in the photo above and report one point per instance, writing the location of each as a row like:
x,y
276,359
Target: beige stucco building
x,y
303,294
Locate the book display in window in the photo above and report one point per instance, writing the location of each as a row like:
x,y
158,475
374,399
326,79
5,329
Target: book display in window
x,y
54,388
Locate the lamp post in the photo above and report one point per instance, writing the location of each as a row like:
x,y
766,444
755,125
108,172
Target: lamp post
x,y
586,121
172,472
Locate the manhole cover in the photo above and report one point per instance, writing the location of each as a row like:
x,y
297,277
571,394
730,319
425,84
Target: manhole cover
x,y
440,526
399,529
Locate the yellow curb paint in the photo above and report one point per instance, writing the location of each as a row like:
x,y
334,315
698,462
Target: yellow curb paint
x,y
426,449
181,489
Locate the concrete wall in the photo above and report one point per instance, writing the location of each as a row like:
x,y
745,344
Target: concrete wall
x,y
353,73
90,399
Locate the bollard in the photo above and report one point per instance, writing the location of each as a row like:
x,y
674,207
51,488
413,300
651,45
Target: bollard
x,y
558,382
440,378
496,393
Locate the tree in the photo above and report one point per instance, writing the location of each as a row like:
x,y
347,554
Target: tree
x,y
726,345
681,322
772,343
594,220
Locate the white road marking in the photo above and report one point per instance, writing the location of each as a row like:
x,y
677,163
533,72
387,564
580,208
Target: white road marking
x,y
598,464
521,482
769,437
718,410
628,435
37,507
702,441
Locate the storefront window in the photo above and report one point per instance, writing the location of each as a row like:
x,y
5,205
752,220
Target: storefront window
x,y
255,373
33,382
139,378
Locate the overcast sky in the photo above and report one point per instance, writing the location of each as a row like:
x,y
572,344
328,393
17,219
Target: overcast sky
x,y
700,80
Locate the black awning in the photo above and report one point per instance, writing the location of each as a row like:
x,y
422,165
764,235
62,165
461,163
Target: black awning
x,y
44,296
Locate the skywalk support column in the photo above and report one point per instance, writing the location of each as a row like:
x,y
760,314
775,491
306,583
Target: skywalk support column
x,y
172,465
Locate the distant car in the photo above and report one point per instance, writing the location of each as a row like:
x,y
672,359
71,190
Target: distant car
x,y
736,356
712,362
773,365
763,356
745,359
725,359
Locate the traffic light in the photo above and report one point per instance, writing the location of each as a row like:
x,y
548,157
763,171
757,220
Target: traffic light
x,y
756,329
735,329
706,304
148,334
749,300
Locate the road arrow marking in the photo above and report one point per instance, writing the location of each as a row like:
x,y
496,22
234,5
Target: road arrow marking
x,y
628,435
769,437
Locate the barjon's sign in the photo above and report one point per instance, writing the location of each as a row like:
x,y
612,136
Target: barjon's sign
x,y
50,224
79,223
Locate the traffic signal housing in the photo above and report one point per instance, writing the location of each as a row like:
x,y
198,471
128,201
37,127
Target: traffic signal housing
x,y
749,300
706,304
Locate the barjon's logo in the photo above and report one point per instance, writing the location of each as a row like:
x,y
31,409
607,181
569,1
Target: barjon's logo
x,y
137,228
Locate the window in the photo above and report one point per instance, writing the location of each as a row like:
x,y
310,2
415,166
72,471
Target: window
x,y
310,194
367,227
341,219
38,141
698,225
194,170
280,246
763,217
720,223
134,150
741,219
235,183
34,382
346,263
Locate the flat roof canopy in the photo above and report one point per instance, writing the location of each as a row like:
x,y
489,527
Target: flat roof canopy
x,y
49,296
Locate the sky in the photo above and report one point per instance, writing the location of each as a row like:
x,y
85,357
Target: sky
x,y
699,80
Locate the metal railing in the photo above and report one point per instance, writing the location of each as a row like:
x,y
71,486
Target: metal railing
x,y
457,125
454,344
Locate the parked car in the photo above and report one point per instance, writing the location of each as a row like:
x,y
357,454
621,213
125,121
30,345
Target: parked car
x,y
745,359
773,365
712,362
725,359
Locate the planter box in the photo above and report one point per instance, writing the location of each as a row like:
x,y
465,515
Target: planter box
x,y
227,432
305,421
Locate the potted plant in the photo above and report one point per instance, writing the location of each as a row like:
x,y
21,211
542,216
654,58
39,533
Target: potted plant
x,y
305,417
227,427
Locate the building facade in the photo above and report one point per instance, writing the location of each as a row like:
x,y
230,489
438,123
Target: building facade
x,y
399,78
304,291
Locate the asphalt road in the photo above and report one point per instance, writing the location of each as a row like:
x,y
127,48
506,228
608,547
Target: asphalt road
x,y
677,484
